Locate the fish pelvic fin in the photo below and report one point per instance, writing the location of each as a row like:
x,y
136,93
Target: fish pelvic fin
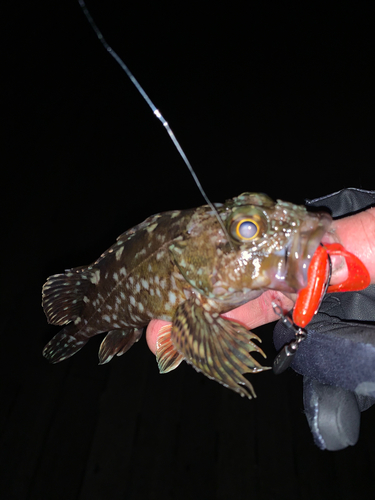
x,y
63,295
167,357
66,343
215,346
117,342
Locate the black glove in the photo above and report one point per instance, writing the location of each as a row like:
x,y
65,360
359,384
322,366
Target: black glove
x,y
337,358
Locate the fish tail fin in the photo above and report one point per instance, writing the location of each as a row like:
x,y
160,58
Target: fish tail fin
x,y
117,342
63,300
66,343
64,295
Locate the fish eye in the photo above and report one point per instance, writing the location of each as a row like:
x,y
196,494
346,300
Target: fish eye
x,y
247,225
247,229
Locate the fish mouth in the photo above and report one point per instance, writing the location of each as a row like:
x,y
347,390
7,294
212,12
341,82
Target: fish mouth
x,y
291,275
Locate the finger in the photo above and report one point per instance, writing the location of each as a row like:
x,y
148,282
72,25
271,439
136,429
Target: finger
x,y
357,234
153,331
260,311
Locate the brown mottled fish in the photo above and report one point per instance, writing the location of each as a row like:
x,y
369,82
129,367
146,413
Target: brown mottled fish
x,y
181,266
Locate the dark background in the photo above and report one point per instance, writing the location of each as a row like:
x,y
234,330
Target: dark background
x,y
277,98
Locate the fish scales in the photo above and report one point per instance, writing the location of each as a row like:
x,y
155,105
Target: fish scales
x,y
180,266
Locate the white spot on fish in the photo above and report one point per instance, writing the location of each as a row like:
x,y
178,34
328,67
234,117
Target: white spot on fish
x,y
145,283
123,271
172,298
141,252
119,253
122,295
96,277
115,276
131,280
208,317
132,300
78,320
177,249
109,307
152,227
159,255
140,307
114,316
175,214
107,318
137,287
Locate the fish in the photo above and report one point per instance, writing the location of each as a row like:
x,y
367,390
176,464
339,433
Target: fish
x,y
187,267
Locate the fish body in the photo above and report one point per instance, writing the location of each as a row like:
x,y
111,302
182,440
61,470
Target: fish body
x,y
181,266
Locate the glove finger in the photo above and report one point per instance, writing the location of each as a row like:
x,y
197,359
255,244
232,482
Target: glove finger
x,y
332,413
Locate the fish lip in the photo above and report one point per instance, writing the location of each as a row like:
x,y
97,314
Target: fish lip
x,y
302,247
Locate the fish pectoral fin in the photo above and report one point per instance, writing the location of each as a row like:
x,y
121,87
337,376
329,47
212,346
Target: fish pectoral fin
x,y
215,346
66,343
166,355
117,342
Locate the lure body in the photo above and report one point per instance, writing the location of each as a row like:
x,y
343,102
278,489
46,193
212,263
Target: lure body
x,y
181,266
310,297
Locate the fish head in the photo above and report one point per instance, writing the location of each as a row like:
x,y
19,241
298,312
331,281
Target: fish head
x,y
267,245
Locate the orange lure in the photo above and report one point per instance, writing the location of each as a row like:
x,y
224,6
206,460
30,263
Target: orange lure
x,y
310,297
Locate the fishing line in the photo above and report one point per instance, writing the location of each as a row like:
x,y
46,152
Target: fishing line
x,y
154,109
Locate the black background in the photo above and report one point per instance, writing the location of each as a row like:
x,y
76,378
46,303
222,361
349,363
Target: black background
x,y
269,97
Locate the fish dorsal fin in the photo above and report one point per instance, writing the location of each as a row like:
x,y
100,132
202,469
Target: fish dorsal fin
x,y
215,346
63,295
142,225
